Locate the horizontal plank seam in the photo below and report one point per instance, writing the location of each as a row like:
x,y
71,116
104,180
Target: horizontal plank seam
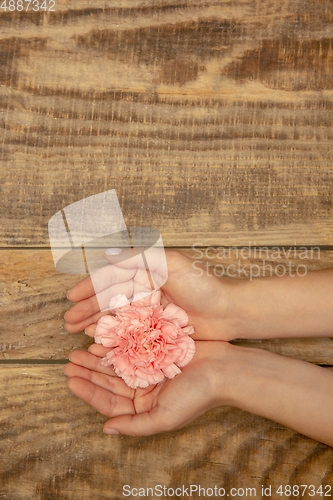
x,y
65,361
296,247
34,361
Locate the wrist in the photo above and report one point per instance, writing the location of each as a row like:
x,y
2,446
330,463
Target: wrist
x,y
229,373
243,375
237,309
289,391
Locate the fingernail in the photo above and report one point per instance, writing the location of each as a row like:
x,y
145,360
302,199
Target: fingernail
x,y
113,251
64,371
69,357
110,431
68,293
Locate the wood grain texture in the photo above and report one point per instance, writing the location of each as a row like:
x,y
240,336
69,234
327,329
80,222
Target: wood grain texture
x,y
53,448
33,304
211,120
33,300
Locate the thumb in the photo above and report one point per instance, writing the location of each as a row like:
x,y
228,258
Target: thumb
x,y
127,258
142,424
116,255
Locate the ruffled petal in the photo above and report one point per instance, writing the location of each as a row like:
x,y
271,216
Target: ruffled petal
x,y
105,324
171,371
188,330
134,382
175,313
147,298
188,350
141,297
155,298
105,361
105,329
119,300
109,341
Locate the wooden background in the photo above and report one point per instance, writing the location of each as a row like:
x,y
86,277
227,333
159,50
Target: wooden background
x,y
213,122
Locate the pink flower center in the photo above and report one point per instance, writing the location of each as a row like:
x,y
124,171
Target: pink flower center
x,y
149,343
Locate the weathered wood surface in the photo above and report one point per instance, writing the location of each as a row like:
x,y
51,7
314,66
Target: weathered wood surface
x,y
33,300
33,304
212,121
53,447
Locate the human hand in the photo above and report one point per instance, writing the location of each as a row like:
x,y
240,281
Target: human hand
x,y
289,391
203,384
207,299
219,308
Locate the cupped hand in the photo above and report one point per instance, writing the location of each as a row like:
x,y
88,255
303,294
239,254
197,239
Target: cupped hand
x,y
171,404
203,296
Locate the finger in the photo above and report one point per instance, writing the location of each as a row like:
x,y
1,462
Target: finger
x,y
98,281
81,290
143,258
78,327
154,257
127,260
110,275
111,383
141,282
102,400
142,424
98,350
88,307
123,268
82,310
88,360
90,330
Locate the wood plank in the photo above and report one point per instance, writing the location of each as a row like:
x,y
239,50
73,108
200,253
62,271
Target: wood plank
x,y
211,121
53,447
33,301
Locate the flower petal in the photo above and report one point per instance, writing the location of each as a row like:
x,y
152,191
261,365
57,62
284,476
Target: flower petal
x,y
188,329
171,371
134,381
141,296
187,346
106,323
119,300
108,342
173,312
155,298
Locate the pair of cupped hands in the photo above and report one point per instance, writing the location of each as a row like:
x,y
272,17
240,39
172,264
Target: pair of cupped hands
x,y
171,404
204,383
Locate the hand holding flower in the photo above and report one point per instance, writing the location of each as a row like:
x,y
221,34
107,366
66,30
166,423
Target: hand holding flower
x,y
206,299
166,406
292,392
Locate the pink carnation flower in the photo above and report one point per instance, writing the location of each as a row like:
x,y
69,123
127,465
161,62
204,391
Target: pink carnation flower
x,y
148,343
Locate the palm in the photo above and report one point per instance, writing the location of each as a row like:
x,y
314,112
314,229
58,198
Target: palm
x,y
166,406
202,297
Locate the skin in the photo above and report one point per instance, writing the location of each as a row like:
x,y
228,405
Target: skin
x,y
167,406
291,392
